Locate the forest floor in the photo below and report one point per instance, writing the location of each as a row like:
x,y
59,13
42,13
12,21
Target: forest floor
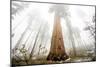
x,y
44,61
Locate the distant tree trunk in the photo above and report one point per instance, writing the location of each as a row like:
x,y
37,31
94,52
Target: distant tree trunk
x,y
20,39
71,36
42,37
57,50
22,36
31,54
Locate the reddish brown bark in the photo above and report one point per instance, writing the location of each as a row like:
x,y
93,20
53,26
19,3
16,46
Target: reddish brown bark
x,y
57,50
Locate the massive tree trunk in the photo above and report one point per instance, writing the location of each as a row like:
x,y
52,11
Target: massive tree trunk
x,y
57,50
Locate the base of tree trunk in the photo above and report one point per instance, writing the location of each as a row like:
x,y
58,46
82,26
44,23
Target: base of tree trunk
x,y
57,57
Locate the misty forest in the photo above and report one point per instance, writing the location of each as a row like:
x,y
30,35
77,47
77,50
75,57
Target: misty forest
x,y
44,33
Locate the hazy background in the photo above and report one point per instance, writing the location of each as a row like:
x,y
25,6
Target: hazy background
x,y
32,15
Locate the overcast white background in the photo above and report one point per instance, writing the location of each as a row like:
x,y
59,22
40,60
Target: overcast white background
x,y
5,33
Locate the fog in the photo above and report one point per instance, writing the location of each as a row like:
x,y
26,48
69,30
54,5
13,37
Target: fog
x,y
35,17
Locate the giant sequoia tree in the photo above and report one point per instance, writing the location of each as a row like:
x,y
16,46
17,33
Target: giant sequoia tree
x,y
57,50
